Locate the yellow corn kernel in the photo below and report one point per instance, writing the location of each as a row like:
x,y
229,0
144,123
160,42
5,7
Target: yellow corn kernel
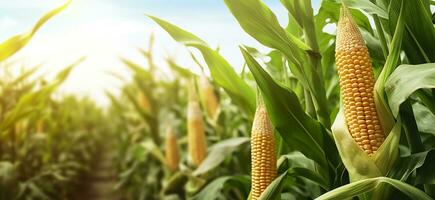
x,y
195,129
172,157
357,85
210,98
263,156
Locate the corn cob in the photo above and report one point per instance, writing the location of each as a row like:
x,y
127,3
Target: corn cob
x,y
143,102
357,85
172,157
210,99
195,129
19,127
40,126
263,156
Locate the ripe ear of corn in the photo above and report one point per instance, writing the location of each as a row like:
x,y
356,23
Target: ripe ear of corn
x,y
263,155
359,162
172,156
209,96
357,85
197,146
143,102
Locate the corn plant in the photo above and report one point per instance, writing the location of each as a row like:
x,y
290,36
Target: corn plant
x,y
186,123
347,119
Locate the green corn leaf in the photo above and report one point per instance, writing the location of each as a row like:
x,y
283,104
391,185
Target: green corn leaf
x,y
406,165
135,67
330,10
8,173
302,11
361,187
221,71
426,174
367,6
385,117
298,130
393,57
287,179
26,74
273,191
175,182
215,188
311,175
15,43
36,191
374,47
424,118
218,152
260,22
420,34
63,75
36,100
152,148
299,165
184,72
407,79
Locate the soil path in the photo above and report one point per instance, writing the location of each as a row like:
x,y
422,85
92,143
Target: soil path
x,y
100,185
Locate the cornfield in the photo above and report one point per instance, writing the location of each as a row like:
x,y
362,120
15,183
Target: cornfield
x,y
337,101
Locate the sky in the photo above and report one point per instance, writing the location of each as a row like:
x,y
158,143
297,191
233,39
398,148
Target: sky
x,y
106,30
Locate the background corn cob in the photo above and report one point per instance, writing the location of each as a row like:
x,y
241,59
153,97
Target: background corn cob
x,y
195,127
143,101
40,126
172,156
210,98
18,127
357,85
263,156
